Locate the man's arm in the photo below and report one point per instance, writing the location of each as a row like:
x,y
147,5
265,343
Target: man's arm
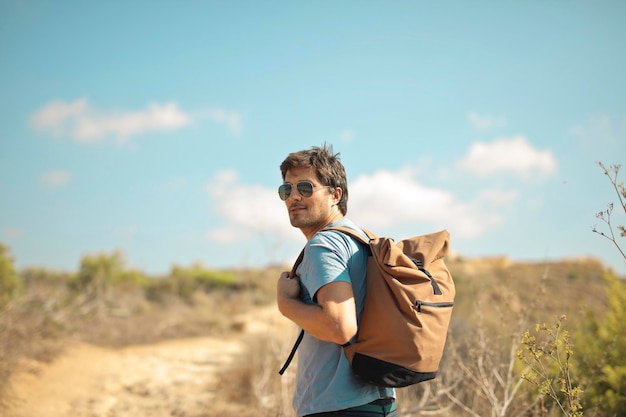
x,y
332,319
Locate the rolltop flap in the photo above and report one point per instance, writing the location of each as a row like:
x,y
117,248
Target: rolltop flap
x,y
426,248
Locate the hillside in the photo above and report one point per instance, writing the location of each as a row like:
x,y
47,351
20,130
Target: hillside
x,y
504,289
49,329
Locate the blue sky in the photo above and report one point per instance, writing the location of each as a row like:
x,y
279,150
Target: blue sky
x,y
157,128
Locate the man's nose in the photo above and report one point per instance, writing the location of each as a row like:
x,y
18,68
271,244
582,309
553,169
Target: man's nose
x,y
295,194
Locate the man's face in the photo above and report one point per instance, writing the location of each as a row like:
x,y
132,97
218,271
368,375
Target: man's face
x,y
310,214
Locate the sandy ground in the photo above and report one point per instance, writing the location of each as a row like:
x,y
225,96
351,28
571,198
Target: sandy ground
x,y
172,378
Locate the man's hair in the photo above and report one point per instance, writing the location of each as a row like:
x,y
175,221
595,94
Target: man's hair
x,y
327,166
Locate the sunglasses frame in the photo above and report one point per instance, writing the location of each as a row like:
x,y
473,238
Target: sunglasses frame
x,y
290,187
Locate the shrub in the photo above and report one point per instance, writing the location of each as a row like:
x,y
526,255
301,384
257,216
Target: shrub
x,y
602,353
9,280
547,354
187,280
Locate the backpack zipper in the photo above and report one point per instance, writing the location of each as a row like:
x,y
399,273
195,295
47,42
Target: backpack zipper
x,y
419,304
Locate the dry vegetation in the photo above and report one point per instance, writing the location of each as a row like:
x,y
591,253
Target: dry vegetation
x,y
497,300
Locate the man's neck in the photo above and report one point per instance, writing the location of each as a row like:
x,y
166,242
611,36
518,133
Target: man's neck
x,y
310,233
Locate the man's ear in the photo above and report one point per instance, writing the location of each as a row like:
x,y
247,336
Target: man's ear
x,y
337,194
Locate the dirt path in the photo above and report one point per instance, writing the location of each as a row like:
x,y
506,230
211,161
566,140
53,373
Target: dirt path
x,y
172,378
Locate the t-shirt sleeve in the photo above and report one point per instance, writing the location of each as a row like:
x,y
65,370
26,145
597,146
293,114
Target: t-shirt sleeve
x,y
325,261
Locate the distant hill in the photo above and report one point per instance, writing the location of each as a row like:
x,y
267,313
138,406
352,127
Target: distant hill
x,y
504,291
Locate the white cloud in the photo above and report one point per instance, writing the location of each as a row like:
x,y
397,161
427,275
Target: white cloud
x,y
386,200
600,128
347,136
226,235
498,197
232,120
55,116
81,121
54,179
509,155
248,210
485,122
386,197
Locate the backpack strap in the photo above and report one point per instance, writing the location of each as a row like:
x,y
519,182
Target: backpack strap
x,y
293,274
292,353
353,233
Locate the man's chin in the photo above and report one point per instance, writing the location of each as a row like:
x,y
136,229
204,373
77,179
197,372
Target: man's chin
x,y
297,221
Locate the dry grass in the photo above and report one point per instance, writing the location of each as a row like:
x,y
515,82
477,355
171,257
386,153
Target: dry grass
x,y
37,325
496,296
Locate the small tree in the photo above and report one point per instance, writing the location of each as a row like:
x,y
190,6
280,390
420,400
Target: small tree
x,y
187,280
94,278
99,270
9,280
601,356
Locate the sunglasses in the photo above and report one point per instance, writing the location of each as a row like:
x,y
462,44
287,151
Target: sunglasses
x,y
305,189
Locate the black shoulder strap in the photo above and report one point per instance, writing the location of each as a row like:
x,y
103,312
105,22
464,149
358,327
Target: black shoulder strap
x,y
292,353
301,335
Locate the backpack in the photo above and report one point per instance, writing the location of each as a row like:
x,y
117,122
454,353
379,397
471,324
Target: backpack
x,y
407,311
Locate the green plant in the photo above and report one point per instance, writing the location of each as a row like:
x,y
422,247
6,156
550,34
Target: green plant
x,y
97,272
601,357
9,280
548,356
187,280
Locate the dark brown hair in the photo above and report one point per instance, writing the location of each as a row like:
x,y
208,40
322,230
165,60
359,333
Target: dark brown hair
x,y
328,169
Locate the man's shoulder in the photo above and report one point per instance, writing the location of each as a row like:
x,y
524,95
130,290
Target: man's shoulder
x,y
337,239
348,225
327,237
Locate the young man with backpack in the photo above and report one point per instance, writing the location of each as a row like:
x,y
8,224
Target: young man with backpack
x,y
326,296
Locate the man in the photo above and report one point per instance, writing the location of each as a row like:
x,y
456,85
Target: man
x,y
326,297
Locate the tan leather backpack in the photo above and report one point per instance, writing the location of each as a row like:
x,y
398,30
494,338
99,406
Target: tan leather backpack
x,y
408,307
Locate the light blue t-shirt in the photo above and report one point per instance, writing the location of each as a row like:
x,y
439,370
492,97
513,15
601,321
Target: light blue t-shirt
x,y
325,381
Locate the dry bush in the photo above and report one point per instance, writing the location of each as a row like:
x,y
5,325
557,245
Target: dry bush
x,y
253,380
32,328
478,374
138,322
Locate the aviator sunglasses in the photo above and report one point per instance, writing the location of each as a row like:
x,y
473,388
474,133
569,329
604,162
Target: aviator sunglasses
x,y
305,188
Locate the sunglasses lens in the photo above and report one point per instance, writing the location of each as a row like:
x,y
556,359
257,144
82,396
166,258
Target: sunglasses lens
x,y
305,189
284,191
